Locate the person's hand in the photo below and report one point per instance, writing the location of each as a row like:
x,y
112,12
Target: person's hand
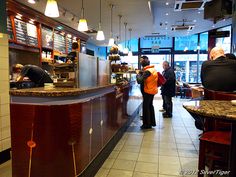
x,y
137,71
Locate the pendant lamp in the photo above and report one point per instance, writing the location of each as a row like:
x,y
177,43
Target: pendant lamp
x,y
126,50
130,54
82,22
52,9
100,34
120,47
111,40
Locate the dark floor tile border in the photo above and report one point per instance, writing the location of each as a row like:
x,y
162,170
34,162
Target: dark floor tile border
x,y
96,164
5,156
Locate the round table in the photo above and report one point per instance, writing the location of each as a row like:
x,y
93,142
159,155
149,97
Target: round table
x,y
221,110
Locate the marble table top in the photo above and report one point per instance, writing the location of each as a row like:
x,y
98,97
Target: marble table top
x,y
57,91
212,109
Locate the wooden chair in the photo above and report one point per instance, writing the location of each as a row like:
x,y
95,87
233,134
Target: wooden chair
x,y
214,151
215,142
218,95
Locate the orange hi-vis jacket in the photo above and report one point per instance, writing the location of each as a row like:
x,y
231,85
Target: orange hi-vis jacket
x,y
150,83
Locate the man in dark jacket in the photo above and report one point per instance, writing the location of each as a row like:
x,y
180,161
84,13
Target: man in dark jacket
x,y
219,73
168,89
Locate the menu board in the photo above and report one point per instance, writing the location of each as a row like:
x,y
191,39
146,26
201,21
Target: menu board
x,y
26,33
9,28
69,43
59,42
47,37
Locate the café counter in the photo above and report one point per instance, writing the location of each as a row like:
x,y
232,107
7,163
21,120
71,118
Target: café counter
x,y
58,132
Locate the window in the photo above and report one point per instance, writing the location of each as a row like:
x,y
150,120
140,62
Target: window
x,y
133,61
186,67
224,42
204,41
186,42
157,61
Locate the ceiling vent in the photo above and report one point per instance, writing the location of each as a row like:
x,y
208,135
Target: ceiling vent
x,y
181,28
189,4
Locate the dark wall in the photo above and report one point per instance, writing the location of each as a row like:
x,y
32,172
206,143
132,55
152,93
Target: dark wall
x,y
3,17
23,57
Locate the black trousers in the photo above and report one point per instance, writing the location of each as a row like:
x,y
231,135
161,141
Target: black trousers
x,y
148,110
167,104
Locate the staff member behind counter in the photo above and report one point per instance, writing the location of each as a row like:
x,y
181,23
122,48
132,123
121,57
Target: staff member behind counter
x,y
72,56
34,73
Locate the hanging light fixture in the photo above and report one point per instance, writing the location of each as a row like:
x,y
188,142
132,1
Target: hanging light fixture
x,y
130,54
52,9
126,50
100,34
120,47
111,40
82,22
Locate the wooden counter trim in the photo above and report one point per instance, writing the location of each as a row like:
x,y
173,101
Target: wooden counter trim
x,y
57,92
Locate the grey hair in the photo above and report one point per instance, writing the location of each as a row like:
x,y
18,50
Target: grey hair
x,y
166,63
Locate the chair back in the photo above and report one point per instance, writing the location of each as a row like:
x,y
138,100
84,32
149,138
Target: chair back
x,y
218,95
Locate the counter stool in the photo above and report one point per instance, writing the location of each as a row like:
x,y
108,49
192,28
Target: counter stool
x,y
214,150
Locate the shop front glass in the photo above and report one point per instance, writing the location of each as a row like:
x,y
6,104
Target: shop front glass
x,y
186,67
224,42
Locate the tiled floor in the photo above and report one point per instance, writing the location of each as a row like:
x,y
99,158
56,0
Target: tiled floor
x,y
160,152
164,151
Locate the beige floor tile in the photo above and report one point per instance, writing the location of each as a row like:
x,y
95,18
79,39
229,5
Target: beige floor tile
x,y
168,169
134,137
130,148
189,163
170,145
187,153
133,143
151,139
128,155
108,163
150,143
167,140
148,158
113,154
183,141
124,164
149,150
169,160
102,172
185,146
118,147
168,175
146,167
168,152
140,174
6,169
119,173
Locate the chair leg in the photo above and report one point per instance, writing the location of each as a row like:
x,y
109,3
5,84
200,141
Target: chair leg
x,y
201,159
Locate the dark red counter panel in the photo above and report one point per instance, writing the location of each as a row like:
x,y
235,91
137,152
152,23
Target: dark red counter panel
x,y
63,139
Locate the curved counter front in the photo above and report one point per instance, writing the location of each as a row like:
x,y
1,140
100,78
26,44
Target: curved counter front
x,y
62,132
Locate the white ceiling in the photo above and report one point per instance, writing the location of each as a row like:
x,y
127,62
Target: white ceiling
x,y
135,12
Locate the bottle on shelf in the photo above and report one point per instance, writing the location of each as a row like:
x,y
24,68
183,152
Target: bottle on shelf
x,y
44,54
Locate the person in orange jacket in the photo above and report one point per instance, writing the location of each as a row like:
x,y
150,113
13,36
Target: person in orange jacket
x,y
148,78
